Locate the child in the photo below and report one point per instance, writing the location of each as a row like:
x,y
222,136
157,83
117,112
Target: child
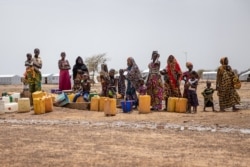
x,y
142,88
192,95
77,81
121,83
112,84
208,97
85,89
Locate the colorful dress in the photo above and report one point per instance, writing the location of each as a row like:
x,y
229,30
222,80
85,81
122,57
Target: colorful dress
x,y
35,75
105,79
154,85
174,76
228,96
64,77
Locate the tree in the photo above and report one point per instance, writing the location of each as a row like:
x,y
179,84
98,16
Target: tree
x,y
94,61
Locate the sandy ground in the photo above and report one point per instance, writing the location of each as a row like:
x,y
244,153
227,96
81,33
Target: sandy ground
x,y
70,137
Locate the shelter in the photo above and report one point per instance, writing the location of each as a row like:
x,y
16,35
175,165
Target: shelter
x,y
245,76
55,78
10,79
47,78
209,75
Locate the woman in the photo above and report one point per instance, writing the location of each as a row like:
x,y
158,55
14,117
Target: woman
x,y
133,78
186,77
172,76
154,82
64,77
228,96
37,64
79,66
105,79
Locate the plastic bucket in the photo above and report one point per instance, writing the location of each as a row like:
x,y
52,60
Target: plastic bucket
x,y
127,106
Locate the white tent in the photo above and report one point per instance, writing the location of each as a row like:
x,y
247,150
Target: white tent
x,y
245,76
209,75
10,79
47,78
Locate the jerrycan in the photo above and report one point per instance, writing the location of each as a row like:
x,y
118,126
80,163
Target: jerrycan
x,y
71,97
24,105
39,105
2,107
109,106
101,103
48,103
144,104
38,94
94,103
171,104
181,105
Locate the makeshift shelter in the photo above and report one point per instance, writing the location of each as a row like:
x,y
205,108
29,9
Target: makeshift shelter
x,y
10,79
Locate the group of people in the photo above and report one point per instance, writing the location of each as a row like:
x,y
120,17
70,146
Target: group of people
x,y
130,82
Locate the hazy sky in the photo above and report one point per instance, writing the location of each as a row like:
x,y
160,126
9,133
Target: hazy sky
x,y
205,29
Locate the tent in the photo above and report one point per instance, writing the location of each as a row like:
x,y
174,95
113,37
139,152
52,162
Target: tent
x,y
245,76
209,75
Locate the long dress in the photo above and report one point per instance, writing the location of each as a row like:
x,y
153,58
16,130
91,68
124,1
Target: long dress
x,y
154,85
228,96
64,77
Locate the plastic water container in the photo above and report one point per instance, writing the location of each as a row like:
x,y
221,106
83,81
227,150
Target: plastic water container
x,y
48,103
126,106
110,106
6,99
101,103
92,94
39,105
24,105
181,105
94,103
2,107
16,96
171,104
144,104
71,97
10,107
38,94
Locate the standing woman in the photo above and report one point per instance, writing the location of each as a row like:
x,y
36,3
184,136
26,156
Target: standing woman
x,y
228,96
105,79
133,78
154,82
174,73
37,64
79,66
64,77
186,77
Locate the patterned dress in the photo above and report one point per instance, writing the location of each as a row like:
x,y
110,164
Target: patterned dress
x,y
228,96
121,85
154,85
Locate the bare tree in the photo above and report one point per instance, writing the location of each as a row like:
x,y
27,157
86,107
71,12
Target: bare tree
x,y
94,61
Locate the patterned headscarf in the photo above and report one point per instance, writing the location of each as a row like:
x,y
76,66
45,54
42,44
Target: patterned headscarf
x,y
222,60
134,74
173,69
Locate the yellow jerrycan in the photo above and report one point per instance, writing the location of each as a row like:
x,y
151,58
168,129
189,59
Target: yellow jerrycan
x,y
48,103
101,103
144,104
171,104
181,105
39,105
94,103
109,106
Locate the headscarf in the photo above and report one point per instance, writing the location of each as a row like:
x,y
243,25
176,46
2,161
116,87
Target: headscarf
x,y
80,66
222,60
174,70
134,74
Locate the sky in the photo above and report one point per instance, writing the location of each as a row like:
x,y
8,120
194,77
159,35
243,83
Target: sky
x,y
199,31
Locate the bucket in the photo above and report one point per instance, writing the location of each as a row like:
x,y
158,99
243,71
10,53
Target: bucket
x,y
181,105
127,106
71,97
144,104
62,100
94,103
39,105
10,107
24,105
2,107
171,104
